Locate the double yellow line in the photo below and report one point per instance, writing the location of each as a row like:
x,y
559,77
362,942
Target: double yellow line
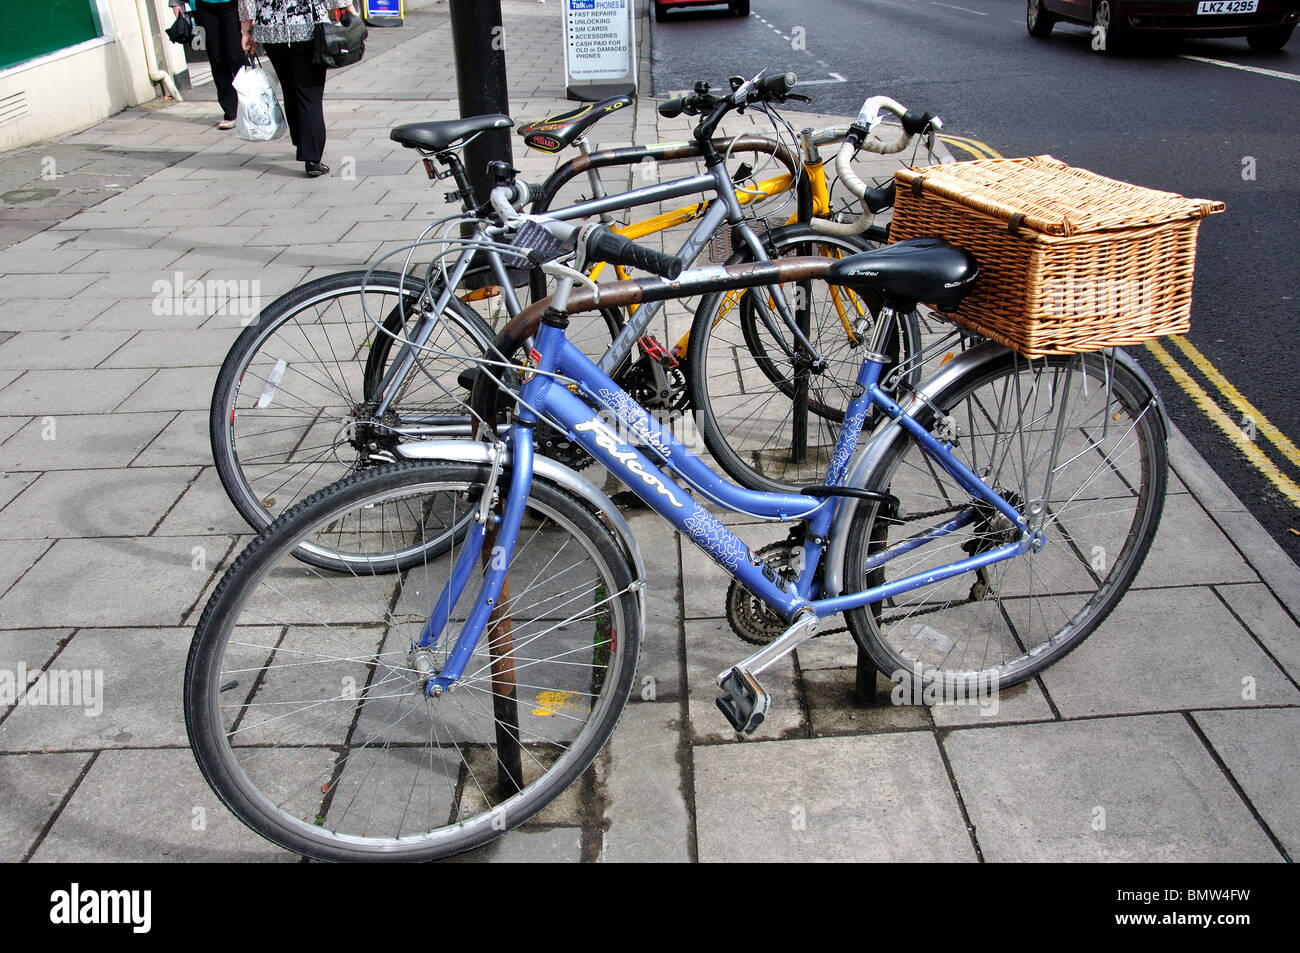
x,y
1241,433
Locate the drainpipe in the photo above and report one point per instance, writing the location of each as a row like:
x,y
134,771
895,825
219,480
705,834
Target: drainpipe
x,y
155,74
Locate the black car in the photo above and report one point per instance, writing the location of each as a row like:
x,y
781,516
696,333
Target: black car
x,y
1116,24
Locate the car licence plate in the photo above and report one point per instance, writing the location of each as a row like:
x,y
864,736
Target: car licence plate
x,y
1227,6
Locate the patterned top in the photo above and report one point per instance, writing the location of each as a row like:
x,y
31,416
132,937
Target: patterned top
x,y
287,21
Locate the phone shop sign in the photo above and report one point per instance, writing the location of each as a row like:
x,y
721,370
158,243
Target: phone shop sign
x,y
598,40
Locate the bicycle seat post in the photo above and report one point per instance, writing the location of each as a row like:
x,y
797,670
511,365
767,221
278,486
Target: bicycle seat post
x,y
593,175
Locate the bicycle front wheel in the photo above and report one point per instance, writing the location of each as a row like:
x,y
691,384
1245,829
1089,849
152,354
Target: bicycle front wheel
x,y
306,701
291,409
1078,446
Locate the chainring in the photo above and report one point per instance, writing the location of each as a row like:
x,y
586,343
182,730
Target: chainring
x,y
749,616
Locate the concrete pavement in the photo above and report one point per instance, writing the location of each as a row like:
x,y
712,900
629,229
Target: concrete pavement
x,y
1172,734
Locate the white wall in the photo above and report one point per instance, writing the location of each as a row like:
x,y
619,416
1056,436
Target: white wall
x,y
70,90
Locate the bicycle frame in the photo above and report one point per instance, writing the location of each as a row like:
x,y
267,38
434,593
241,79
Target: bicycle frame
x,y
559,403
725,206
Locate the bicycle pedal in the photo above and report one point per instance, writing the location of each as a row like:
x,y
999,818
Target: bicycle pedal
x,y
743,700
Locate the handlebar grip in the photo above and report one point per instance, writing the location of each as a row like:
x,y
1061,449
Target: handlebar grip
x,y
672,108
778,85
916,123
534,193
877,200
604,245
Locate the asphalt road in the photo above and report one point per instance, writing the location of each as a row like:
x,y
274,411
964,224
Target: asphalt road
x,y
1155,118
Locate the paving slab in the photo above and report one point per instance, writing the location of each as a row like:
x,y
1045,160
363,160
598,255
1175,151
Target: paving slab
x,y
11,484
114,582
185,440
85,391
85,441
106,819
1190,550
169,388
203,509
16,557
1140,789
24,650
528,846
60,349
877,798
1262,750
648,819
202,348
1269,621
34,785
128,704
90,503
1160,651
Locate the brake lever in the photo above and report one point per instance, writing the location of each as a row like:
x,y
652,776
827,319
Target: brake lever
x,y
799,96
557,270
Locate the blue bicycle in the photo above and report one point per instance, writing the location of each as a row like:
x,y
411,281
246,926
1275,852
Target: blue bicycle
x,y
987,526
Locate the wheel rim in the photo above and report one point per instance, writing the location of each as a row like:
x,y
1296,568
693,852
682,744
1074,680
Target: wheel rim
x,y
1097,519
1031,14
317,722
291,416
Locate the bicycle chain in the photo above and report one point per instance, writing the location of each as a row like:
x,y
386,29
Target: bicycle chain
x,y
740,599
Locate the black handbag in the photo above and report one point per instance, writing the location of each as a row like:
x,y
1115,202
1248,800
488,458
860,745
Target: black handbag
x,y
182,31
339,44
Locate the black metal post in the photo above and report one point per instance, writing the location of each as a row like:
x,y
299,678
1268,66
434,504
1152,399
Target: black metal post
x,y
478,41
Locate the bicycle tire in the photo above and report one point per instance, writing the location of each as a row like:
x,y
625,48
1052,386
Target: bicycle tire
x,y
750,442
311,723
284,437
1100,514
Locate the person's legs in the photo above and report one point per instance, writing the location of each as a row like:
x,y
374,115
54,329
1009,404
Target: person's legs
x,y
310,88
283,62
220,22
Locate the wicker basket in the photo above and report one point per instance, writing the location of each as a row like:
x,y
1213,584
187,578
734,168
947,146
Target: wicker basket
x,y
1069,260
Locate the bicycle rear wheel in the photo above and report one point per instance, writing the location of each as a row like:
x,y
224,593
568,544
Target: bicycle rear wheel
x,y
290,410
306,705
1077,444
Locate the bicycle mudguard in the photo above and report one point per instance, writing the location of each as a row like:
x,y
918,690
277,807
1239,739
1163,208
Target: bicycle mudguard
x,y
868,456
476,451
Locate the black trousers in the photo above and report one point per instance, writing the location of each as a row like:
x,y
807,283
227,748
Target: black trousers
x,y
302,84
220,23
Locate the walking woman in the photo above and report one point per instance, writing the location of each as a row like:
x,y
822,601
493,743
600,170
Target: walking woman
x,y
285,28
219,20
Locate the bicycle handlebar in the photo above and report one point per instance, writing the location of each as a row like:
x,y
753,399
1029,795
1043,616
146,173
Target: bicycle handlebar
x,y
861,135
599,243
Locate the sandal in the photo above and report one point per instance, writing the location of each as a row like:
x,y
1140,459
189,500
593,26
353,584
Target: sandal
x,y
226,124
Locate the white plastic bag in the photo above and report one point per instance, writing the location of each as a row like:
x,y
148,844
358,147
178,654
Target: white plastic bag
x,y
259,118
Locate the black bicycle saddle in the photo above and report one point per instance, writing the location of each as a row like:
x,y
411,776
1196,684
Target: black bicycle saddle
x,y
918,269
441,136
558,132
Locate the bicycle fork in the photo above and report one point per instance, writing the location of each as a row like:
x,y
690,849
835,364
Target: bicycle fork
x,y
490,540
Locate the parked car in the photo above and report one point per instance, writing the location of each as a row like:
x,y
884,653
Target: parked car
x,y
1266,24
738,7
